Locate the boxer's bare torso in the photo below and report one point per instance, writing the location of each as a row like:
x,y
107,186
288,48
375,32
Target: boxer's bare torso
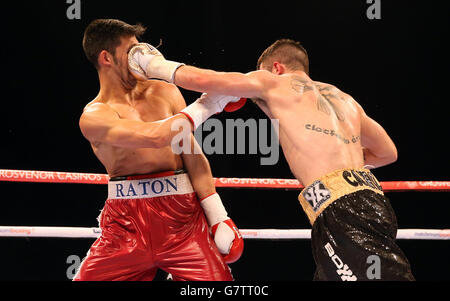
x,y
320,126
150,101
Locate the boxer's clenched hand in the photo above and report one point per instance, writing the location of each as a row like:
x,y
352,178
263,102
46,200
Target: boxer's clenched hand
x,y
226,235
206,106
228,240
146,62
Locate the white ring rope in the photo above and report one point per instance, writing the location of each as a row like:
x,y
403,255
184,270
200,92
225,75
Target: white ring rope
x,y
68,232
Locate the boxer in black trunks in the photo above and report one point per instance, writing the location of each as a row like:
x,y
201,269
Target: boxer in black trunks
x,y
327,139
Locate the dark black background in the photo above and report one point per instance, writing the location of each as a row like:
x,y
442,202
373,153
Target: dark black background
x,y
395,67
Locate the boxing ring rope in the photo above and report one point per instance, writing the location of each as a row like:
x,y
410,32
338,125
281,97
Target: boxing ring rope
x,y
278,234
28,176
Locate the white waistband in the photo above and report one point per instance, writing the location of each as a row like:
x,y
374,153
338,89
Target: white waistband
x,y
150,188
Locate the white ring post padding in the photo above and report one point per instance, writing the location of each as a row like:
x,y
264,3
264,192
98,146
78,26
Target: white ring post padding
x,y
68,232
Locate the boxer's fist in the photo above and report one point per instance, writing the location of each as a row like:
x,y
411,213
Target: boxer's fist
x,y
139,57
228,240
217,103
206,106
146,62
226,235
234,106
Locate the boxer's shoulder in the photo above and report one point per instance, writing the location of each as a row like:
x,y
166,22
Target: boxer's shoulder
x,y
97,107
330,89
158,86
264,77
167,93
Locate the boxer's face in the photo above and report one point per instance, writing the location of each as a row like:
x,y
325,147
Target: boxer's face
x,y
121,62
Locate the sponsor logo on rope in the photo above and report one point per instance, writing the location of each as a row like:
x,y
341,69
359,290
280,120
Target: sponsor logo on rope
x,y
432,234
433,184
16,230
269,182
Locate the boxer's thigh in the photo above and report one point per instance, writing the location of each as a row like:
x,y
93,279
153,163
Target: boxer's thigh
x,y
120,253
193,256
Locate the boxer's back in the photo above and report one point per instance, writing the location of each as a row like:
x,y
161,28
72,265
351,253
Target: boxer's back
x,y
319,126
152,105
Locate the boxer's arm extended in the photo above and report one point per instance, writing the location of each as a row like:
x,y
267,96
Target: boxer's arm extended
x,y
251,85
378,148
146,62
100,124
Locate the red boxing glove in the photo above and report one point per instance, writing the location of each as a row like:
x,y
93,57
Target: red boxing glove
x,y
234,106
223,236
228,240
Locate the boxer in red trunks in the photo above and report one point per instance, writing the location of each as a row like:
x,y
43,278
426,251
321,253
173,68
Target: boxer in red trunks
x,y
150,221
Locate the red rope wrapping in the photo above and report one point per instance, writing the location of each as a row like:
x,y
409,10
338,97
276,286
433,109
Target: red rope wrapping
x,y
29,176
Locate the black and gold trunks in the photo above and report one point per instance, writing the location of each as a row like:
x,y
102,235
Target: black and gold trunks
x,y
329,188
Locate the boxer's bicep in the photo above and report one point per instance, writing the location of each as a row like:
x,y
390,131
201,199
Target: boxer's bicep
x,y
95,123
101,125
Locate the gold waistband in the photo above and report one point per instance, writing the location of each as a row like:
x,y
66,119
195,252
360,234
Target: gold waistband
x,y
323,192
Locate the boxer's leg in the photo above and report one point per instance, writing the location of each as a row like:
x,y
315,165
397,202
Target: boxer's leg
x,y
120,266
120,253
320,239
187,251
197,258
350,232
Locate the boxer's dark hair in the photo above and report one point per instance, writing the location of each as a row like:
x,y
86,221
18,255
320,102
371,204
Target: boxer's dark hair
x,y
288,52
105,34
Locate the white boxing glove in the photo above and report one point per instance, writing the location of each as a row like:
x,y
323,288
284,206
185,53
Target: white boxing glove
x,y
146,62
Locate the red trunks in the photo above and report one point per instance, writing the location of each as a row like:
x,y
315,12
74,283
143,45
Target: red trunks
x,y
152,222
